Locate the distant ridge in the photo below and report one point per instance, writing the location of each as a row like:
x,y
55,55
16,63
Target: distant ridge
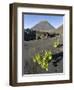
x,y
59,30
43,25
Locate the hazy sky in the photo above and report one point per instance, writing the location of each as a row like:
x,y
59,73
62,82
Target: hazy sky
x,y
31,19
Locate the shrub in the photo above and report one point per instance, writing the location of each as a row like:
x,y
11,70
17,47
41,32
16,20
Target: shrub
x,y
56,43
43,59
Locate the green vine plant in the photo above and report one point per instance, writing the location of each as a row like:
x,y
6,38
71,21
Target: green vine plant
x,y
56,43
43,59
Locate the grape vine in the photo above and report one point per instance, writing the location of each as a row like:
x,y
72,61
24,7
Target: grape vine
x,y
43,58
